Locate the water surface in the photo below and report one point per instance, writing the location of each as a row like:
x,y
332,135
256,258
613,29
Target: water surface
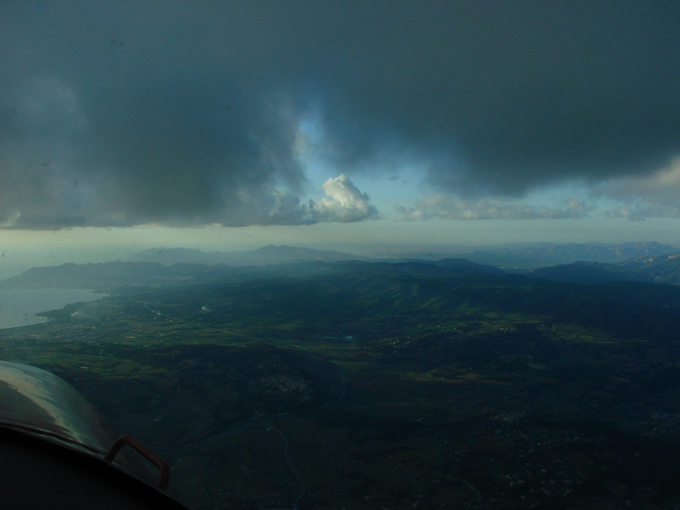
x,y
18,307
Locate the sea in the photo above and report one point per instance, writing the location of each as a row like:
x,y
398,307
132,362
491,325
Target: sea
x,y
19,307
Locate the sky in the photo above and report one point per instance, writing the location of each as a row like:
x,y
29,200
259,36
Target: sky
x,y
226,125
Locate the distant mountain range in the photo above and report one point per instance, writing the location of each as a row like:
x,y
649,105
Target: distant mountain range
x,y
510,257
181,266
114,276
659,269
534,255
266,255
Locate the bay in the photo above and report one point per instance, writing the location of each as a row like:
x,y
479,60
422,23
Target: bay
x,y
18,307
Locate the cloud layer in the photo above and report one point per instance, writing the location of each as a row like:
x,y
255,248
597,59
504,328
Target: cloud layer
x,y
648,196
449,208
126,113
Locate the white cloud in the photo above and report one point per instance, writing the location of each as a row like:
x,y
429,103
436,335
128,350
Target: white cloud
x,y
449,208
345,204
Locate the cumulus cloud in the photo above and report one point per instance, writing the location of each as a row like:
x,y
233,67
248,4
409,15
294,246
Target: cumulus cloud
x,y
345,203
449,208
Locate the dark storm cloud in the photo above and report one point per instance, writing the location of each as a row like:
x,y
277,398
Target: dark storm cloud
x,y
121,113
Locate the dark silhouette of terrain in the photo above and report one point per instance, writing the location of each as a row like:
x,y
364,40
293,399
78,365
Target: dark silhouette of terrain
x,y
658,269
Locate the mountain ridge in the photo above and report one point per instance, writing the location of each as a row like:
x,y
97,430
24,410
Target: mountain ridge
x,y
114,276
534,255
514,256
266,255
663,269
